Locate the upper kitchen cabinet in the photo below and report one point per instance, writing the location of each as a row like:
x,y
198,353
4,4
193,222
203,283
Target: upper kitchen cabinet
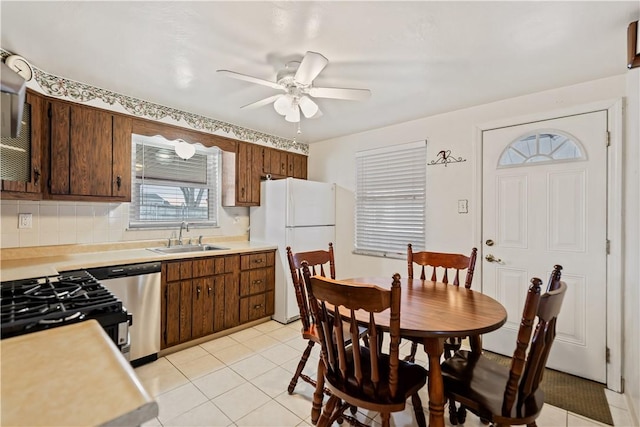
x,y
89,153
282,164
22,156
241,175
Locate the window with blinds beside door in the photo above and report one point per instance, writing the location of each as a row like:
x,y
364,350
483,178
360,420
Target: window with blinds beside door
x,y
390,200
168,189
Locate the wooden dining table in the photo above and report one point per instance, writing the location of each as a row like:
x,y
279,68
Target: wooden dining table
x,y
432,312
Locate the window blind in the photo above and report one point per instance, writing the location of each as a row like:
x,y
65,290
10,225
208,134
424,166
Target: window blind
x,y
390,200
168,190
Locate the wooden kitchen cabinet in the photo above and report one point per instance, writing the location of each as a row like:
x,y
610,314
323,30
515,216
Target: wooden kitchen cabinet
x,y
204,295
257,285
199,297
32,189
281,164
89,153
248,170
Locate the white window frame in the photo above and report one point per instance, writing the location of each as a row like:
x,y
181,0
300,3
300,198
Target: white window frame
x,y
212,185
386,178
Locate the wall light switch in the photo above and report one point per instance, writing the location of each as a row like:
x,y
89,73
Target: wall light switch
x,y
25,220
463,206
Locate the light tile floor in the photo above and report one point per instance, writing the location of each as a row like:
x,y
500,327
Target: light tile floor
x,y
241,380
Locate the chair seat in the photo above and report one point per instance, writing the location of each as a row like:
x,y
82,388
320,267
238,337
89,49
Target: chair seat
x,y
411,378
479,383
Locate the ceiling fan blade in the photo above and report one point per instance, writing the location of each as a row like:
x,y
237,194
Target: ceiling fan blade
x,y
262,102
310,67
308,107
340,93
294,115
251,79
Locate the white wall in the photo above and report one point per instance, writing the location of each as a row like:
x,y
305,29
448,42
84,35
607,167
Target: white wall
x,y
334,161
631,366
60,223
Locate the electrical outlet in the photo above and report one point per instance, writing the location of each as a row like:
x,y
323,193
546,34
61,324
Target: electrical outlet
x,y
463,206
25,220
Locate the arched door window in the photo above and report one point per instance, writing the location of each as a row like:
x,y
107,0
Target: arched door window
x,y
542,146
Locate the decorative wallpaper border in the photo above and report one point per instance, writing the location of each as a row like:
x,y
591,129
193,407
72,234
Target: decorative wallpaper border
x,y
81,92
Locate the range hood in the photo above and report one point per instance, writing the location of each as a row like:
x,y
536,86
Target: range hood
x,y
13,89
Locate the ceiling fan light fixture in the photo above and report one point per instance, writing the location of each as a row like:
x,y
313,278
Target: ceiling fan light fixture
x,y
283,105
293,116
308,107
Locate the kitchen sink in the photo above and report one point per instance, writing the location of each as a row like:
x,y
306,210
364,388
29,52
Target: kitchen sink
x,y
187,248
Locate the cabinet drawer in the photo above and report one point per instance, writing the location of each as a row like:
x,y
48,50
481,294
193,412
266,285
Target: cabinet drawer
x,y
204,267
172,271
254,281
256,307
259,260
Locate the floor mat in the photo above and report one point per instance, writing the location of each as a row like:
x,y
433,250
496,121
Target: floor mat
x,y
575,394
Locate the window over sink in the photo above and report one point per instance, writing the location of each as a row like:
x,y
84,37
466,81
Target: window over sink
x,y
168,189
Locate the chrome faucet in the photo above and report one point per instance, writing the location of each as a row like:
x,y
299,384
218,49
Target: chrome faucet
x,y
183,225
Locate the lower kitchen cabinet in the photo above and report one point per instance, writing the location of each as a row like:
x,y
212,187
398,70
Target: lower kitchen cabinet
x,y
204,295
257,285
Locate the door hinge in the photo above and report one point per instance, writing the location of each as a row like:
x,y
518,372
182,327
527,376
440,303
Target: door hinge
x,y
608,247
607,139
608,355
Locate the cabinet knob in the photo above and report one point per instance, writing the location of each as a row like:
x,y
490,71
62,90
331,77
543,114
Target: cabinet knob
x,y
257,282
257,306
119,181
198,291
258,261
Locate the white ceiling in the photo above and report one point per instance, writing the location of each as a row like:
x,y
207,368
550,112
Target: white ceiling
x,y
417,58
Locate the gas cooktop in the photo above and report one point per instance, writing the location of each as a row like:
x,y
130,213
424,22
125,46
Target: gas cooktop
x,y
36,304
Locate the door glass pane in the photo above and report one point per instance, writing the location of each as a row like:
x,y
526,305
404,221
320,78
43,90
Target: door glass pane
x,y
541,147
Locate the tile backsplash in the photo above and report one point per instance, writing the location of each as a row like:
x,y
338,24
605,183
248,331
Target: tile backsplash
x,y
63,223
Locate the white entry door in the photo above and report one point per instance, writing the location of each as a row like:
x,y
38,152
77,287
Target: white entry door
x,y
545,203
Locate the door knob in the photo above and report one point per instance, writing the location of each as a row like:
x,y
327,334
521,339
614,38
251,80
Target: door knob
x,y
491,258
489,242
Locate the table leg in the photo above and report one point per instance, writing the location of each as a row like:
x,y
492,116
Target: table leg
x,y
434,348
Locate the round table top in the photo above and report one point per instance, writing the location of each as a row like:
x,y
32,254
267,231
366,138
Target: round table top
x,y
433,309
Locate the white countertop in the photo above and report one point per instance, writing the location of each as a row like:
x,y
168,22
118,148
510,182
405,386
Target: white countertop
x,y
40,262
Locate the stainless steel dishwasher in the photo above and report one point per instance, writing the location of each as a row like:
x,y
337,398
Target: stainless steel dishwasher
x,y
138,287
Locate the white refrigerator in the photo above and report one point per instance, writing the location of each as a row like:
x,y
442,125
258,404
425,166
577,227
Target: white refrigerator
x,y
297,213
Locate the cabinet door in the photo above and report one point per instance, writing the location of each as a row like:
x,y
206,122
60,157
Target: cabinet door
x,y
32,189
91,157
90,153
243,173
219,308
290,164
170,314
186,304
59,114
203,305
231,291
121,171
300,166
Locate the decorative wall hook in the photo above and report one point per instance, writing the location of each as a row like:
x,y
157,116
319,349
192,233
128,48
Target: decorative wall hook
x,y
445,157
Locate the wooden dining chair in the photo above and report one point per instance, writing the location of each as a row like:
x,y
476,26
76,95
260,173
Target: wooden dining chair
x,y
359,375
320,262
443,266
511,395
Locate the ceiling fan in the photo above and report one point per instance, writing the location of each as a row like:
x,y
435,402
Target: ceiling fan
x,y
296,81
